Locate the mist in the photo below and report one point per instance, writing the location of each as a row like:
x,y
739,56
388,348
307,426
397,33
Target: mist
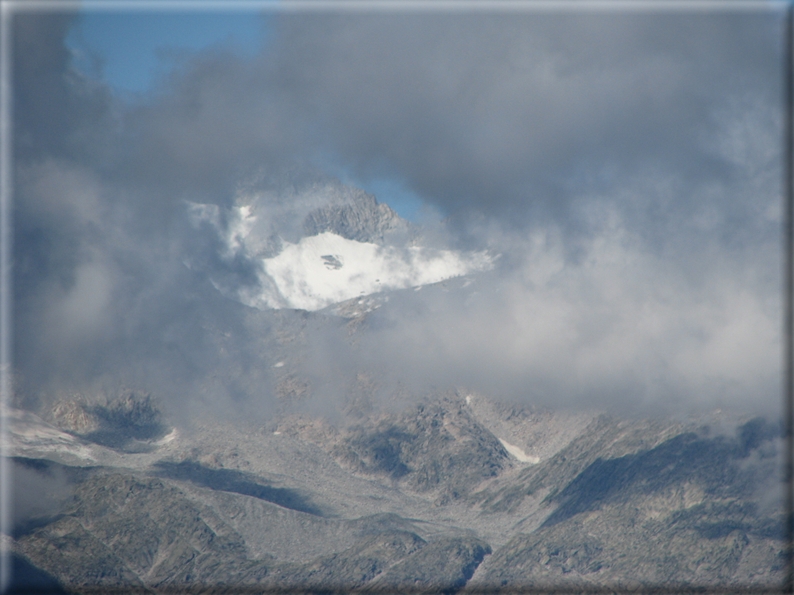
x,y
624,170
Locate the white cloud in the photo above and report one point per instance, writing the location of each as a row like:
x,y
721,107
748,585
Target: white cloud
x,y
617,327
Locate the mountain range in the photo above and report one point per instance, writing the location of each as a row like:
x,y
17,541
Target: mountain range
x,y
448,491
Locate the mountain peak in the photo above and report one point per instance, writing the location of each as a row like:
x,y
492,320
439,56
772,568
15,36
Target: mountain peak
x,y
362,219
320,245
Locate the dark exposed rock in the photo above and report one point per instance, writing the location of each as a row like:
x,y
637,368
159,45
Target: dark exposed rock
x,y
134,414
442,566
230,480
122,530
124,422
438,445
66,550
362,219
350,569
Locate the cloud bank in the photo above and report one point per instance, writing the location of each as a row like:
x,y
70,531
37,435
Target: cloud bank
x,y
627,167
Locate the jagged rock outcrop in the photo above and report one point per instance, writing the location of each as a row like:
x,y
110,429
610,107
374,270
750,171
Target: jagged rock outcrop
x,y
443,566
120,422
437,446
360,218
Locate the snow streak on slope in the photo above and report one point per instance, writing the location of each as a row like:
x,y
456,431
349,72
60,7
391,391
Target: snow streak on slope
x,y
30,436
326,269
519,453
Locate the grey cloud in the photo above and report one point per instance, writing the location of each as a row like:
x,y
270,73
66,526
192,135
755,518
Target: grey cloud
x,y
40,489
620,330
499,113
632,137
510,115
57,112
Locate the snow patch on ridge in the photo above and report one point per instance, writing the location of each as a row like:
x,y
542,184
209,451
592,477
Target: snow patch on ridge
x,y
518,453
300,275
29,435
170,437
320,269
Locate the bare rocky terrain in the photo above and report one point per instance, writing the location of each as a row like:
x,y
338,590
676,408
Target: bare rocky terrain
x,y
427,499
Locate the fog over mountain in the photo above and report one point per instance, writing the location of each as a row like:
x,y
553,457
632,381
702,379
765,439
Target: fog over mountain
x,y
625,168
212,315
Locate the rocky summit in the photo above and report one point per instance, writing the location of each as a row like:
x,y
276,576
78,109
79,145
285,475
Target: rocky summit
x,y
361,218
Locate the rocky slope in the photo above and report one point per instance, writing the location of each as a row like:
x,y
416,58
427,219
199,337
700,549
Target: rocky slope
x,y
427,499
